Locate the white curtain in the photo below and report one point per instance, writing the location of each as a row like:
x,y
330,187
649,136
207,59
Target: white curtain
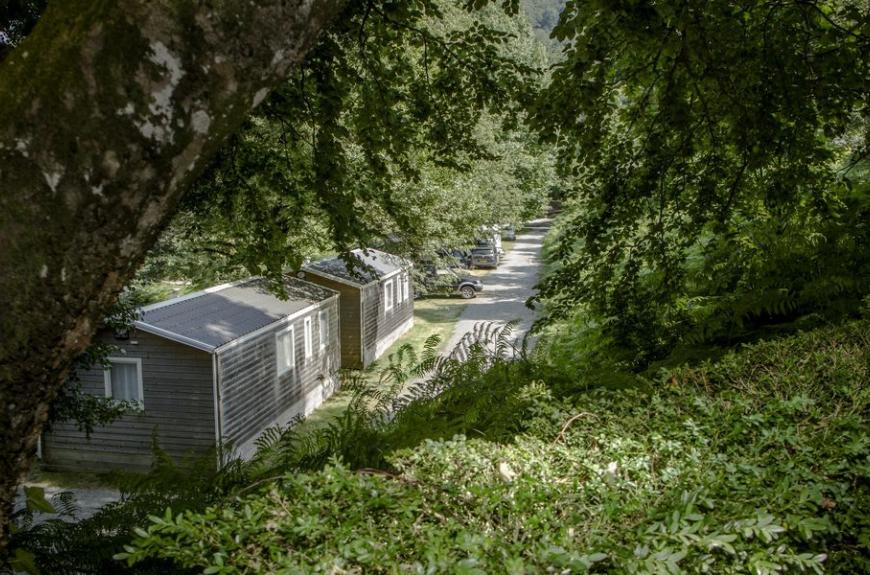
x,y
324,329
284,348
125,381
309,344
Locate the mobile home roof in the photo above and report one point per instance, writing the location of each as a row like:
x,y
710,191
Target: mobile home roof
x,y
373,265
214,317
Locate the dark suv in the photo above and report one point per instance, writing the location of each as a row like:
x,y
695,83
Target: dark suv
x,y
448,282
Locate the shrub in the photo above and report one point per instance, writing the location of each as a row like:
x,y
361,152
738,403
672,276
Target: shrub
x,y
757,463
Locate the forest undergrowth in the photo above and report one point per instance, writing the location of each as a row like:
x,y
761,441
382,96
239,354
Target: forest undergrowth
x,y
756,462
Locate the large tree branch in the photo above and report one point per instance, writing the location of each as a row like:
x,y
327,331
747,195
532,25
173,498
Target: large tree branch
x,y
107,111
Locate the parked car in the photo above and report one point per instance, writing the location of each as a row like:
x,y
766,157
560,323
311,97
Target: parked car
x,y
484,257
448,282
490,236
509,233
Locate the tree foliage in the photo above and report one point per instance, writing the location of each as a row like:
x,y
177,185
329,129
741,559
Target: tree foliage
x,y
17,18
713,151
402,125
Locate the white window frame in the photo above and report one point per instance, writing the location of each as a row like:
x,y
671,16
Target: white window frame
x,y
406,291
107,377
282,369
389,296
308,337
322,328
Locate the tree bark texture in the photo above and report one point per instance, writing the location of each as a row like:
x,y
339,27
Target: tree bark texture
x,y
107,112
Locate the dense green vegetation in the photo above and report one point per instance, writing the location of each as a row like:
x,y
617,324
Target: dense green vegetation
x,y
698,400
718,161
401,131
754,464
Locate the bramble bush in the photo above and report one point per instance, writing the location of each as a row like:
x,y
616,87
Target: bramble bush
x,y
755,463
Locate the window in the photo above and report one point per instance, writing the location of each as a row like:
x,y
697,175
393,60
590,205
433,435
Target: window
x,y
406,287
388,296
123,379
399,293
323,321
285,350
308,338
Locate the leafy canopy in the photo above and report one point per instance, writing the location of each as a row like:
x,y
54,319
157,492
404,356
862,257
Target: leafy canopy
x,y
713,149
402,124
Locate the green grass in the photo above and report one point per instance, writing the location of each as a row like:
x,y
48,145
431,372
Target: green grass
x,y
433,316
161,291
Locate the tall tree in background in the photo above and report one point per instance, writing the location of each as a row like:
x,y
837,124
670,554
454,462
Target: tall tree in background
x,y
716,151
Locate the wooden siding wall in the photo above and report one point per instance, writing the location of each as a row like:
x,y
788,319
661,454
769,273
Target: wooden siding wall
x,y
349,319
252,394
378,322
179,410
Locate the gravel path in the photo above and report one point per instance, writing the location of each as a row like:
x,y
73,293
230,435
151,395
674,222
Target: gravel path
x,y
507,288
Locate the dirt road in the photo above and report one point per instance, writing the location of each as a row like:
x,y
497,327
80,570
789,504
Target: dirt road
x,y
507,288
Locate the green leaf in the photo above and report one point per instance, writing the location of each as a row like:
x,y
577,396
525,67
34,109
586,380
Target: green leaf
x,y
36,501
25,561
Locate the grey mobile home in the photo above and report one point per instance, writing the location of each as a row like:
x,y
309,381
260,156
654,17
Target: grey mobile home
x,y
377,301
217,367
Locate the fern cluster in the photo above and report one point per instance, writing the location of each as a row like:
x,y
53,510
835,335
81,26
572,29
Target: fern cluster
x,y
406,403
752,464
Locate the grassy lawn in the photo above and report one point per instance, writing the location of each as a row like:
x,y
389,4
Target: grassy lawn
x,y
432,316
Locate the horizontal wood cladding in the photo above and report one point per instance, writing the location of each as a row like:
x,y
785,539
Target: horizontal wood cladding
x,y
179,410
253,395
349,319
379,323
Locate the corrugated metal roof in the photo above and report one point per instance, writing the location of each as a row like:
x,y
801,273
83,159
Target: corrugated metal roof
x,y
210,319
368,265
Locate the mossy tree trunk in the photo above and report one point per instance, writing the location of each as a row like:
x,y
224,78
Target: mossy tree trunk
x,y
107,112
